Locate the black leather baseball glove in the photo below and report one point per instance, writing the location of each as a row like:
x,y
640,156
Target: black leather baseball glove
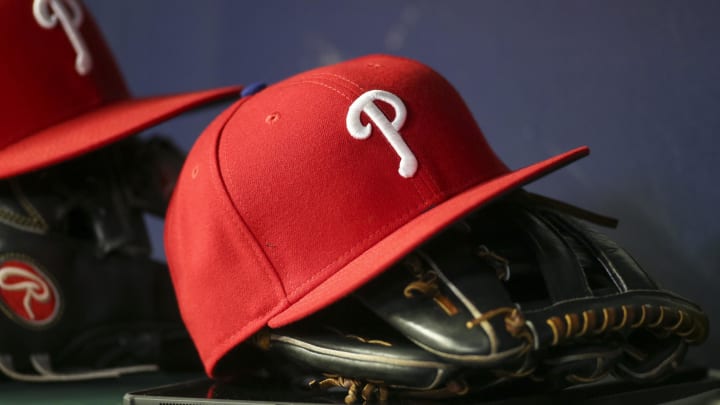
x,y
80,296
519,290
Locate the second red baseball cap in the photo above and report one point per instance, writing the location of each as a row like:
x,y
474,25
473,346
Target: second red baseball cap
x,y
299,194
61,93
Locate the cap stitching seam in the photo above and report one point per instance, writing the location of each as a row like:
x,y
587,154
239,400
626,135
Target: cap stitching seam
x,y
326,76
343,78
424,175
258,252
298,82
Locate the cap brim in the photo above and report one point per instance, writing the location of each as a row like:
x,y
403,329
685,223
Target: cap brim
x,y
99,127
406,238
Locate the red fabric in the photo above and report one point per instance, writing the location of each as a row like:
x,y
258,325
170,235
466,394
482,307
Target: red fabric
x,y
217,278
41,89
316,212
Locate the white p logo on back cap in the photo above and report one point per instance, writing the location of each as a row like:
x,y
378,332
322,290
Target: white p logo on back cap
x,y
47,14
366,103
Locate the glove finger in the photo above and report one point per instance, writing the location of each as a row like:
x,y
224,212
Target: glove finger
x,y
647,358
623,301
439,296
579,363
528,276
345,340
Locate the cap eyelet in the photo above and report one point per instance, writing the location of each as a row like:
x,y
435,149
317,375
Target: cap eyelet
x,y
272,118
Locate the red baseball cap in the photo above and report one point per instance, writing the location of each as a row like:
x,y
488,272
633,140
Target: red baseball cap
x,y
61,92
299,194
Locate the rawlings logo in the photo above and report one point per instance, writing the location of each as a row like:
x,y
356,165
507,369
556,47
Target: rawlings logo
x,y
69,13
366,103
27,293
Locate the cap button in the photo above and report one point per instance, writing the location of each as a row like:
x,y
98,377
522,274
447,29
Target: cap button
x,y
252,88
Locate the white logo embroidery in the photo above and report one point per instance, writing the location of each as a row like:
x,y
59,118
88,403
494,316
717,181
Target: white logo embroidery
x,y
69,13
35,287
366,103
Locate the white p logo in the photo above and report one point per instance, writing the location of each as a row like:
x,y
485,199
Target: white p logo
x,y
69,13
366,103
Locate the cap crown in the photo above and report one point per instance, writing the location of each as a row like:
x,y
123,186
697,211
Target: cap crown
x,y
315,192
55,66
290,188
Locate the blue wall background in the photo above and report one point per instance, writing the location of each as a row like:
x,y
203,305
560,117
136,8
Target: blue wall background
x,y
639,82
